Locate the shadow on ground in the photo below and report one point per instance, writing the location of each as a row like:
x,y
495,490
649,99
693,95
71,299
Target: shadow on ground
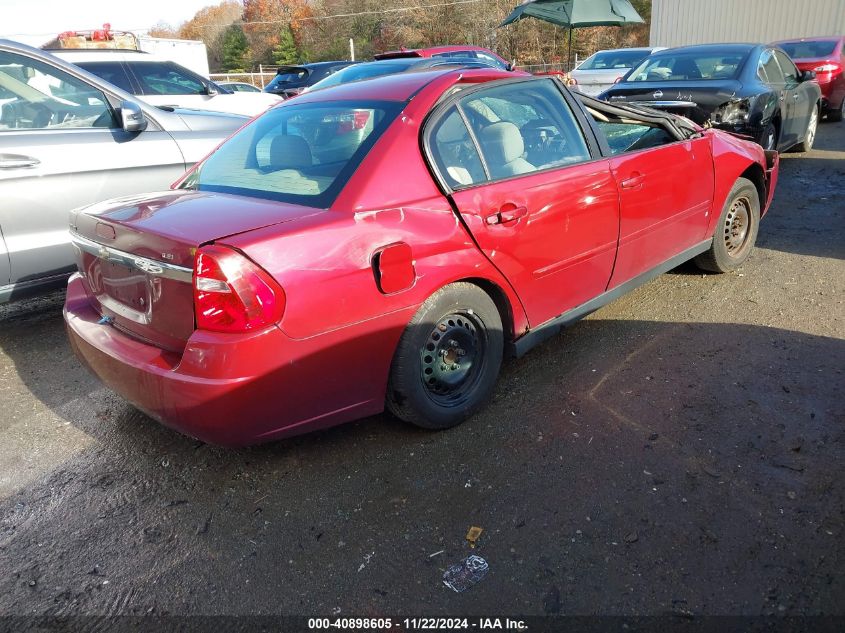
x,y
623,467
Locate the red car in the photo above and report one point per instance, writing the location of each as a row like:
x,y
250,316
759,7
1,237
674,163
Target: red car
x,y
826,57
387,242
459,52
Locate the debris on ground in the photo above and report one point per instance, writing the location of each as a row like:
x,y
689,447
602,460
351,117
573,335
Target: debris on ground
x,y
461,576
473,535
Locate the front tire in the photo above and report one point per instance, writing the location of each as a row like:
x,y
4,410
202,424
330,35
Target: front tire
x,y
736,230
447,361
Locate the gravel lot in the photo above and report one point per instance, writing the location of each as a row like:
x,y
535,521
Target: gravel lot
x,y
679,452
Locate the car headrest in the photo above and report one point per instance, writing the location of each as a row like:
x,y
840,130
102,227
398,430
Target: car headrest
x,y
288,151
502,142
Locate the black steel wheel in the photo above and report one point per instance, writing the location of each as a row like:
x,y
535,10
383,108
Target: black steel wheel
x,y
447,361
736,230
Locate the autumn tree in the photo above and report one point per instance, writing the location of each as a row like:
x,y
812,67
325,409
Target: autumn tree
x,y
210,25
263,20
163,29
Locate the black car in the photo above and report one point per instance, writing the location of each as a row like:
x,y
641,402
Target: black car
x,y
748,89
291,80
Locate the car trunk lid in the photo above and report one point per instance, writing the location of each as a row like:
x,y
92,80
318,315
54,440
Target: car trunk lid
x,y
695,100
136,255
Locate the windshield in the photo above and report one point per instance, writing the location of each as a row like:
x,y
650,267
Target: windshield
x,y
608,60
299,153
364,71
809,50
688,66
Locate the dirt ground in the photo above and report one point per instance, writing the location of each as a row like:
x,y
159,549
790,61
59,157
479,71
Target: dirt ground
x,y
679,452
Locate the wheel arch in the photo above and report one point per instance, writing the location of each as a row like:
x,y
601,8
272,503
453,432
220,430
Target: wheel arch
x,y
755,174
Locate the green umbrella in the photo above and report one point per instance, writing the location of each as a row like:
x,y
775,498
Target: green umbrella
x,y
576,13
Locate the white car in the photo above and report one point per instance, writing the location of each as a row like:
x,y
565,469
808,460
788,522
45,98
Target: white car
x,y
601,70
164,83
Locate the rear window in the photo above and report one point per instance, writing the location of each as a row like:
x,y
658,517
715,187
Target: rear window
x,y
809,50
688,67
610,60
298,153
365,71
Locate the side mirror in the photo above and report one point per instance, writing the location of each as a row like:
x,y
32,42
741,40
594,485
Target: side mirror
x,y
132,117
807,75
211,90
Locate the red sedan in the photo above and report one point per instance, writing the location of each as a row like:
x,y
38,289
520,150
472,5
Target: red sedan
x,y
825,56
388,242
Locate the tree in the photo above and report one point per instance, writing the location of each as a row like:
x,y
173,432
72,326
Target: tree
x,y
262,22
163,29
235,49
286,51
210,25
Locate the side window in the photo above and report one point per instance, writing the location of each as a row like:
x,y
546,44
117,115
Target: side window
x,y
790,72
761,73
34,95
489,59
630,137
112,72
455,153
167,79
524,127
458,54
770,65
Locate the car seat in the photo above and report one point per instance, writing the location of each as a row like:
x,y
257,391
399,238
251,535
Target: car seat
x,y
504,147
289,151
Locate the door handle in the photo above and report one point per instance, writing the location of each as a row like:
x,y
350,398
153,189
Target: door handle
x,y
506,215
634,182
16,161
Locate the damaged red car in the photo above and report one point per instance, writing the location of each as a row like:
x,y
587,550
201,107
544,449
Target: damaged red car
x,y
387,243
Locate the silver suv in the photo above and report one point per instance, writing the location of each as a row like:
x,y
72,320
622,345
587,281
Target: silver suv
x,y
69,139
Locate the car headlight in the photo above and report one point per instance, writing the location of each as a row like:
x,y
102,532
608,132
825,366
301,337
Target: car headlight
x,y
732,112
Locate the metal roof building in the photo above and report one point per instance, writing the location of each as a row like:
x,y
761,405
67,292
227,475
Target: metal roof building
x,y
682,22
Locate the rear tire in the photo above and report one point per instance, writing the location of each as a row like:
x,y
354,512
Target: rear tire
x,y
810,134
736,230
447,361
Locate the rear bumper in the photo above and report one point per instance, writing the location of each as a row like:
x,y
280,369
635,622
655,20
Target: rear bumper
x,y
234,390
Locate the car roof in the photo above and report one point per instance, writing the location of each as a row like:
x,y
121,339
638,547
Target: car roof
x,y
314,65
77,55
815,38
429,51
728,48
396,86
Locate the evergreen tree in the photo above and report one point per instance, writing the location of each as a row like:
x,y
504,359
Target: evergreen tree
x,y
235,49
286,51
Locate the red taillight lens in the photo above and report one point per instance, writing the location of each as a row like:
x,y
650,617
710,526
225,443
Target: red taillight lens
x,y
828,68
352,121
232,294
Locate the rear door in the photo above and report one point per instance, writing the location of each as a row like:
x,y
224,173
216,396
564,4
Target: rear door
x,y
60,148
666,195
541,207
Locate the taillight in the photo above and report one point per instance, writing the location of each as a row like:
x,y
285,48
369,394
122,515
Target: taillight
x,y
352,121
232,294
828,68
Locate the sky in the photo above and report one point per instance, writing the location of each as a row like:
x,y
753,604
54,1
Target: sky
x,y
35,22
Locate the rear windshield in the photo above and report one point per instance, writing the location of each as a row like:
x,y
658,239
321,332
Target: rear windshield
x,y
609,60
365,71
689,66
298,153
809,50
292,77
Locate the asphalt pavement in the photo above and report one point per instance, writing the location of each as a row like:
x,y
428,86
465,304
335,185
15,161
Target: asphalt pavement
x,y
678,452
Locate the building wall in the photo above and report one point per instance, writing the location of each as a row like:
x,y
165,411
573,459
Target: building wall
x,y
681,22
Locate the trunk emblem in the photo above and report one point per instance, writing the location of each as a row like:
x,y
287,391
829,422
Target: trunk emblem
x,y
148,267
657,94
